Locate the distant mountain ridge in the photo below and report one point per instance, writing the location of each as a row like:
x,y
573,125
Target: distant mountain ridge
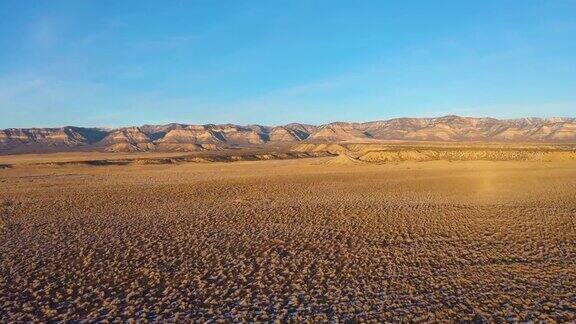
x,y
186,137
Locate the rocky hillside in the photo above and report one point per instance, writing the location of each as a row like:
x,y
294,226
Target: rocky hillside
x,y
384,153
182,137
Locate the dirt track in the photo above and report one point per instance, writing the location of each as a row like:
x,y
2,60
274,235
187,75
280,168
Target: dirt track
x,y
291,239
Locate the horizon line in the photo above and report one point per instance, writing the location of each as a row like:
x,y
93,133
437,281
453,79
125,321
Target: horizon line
x,y
288,123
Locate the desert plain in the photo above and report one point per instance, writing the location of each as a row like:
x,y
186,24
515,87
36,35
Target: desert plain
x,y
320,238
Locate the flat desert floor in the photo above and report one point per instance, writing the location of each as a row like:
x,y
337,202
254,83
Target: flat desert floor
x,y
289,240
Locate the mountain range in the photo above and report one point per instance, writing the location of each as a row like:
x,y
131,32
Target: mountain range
x,y
185,137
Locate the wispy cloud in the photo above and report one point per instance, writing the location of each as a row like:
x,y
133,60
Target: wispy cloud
x,y
561,26
522,109
107,30
45,32
11,88
163,44
36,100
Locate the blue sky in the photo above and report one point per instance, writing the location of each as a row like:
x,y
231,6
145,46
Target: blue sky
x,y
115,63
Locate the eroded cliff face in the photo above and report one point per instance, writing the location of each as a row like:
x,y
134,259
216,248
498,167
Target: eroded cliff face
x,y
48,139
182,137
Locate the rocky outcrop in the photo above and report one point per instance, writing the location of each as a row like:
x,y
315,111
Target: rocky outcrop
x,y
126,140
386,153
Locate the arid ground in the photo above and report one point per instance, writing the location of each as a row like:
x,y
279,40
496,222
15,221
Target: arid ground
x,y
296,239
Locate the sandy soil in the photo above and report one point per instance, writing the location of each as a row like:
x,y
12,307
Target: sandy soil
x,y
78,156
289,239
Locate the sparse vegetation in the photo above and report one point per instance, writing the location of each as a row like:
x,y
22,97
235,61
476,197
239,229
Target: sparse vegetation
x,y
290,240
6,213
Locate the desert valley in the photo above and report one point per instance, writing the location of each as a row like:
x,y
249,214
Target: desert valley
x,y
410,220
